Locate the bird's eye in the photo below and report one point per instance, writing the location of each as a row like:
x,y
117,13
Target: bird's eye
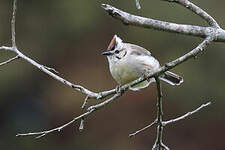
x,y
117,51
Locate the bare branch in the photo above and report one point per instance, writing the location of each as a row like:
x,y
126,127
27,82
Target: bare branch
x,y
91,109
85,102
158,143
43,133
10,60
13,25
143,129
200,12
186,115
7,48
164,123
130,19
58,78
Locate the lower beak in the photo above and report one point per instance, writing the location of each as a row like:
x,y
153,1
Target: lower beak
x,y
107,53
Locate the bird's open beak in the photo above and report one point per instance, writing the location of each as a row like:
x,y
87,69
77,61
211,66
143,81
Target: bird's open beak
x,y
107,53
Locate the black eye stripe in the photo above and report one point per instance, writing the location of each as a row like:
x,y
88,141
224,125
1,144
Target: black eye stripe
x,y
117,51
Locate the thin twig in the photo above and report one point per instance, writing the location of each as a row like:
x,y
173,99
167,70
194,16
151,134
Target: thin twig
x,y
164,123
10,60
186,115
85,102
158,143
143,129
7,48
13,25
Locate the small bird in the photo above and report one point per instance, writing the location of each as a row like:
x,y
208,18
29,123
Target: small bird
x,y
128,62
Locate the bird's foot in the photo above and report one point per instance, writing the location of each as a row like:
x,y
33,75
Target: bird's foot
x,y
118,88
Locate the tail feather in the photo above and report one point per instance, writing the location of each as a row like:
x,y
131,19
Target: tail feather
x,y
172,78
168,77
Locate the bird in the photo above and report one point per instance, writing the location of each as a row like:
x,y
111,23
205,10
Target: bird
x,y
128,62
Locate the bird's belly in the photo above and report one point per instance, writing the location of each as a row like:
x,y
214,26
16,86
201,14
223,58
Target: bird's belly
x,y
125,73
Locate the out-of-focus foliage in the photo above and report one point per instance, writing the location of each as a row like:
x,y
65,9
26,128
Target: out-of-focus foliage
x,y
70,36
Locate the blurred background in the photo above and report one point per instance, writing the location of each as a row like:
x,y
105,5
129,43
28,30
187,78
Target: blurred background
x,y
70,36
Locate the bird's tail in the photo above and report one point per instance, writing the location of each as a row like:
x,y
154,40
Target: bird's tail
x,y
171,78
168,77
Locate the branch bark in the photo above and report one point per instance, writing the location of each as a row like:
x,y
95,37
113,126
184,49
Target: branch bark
x,y
13,24
9,60
186,115
199,31
158,143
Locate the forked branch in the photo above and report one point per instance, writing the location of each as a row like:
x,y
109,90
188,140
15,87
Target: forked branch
x,y
164,123
158,143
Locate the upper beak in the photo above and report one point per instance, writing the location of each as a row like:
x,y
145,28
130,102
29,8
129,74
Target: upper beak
x,y
107,53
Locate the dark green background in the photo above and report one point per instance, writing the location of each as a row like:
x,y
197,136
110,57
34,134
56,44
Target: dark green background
x,y
70,36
